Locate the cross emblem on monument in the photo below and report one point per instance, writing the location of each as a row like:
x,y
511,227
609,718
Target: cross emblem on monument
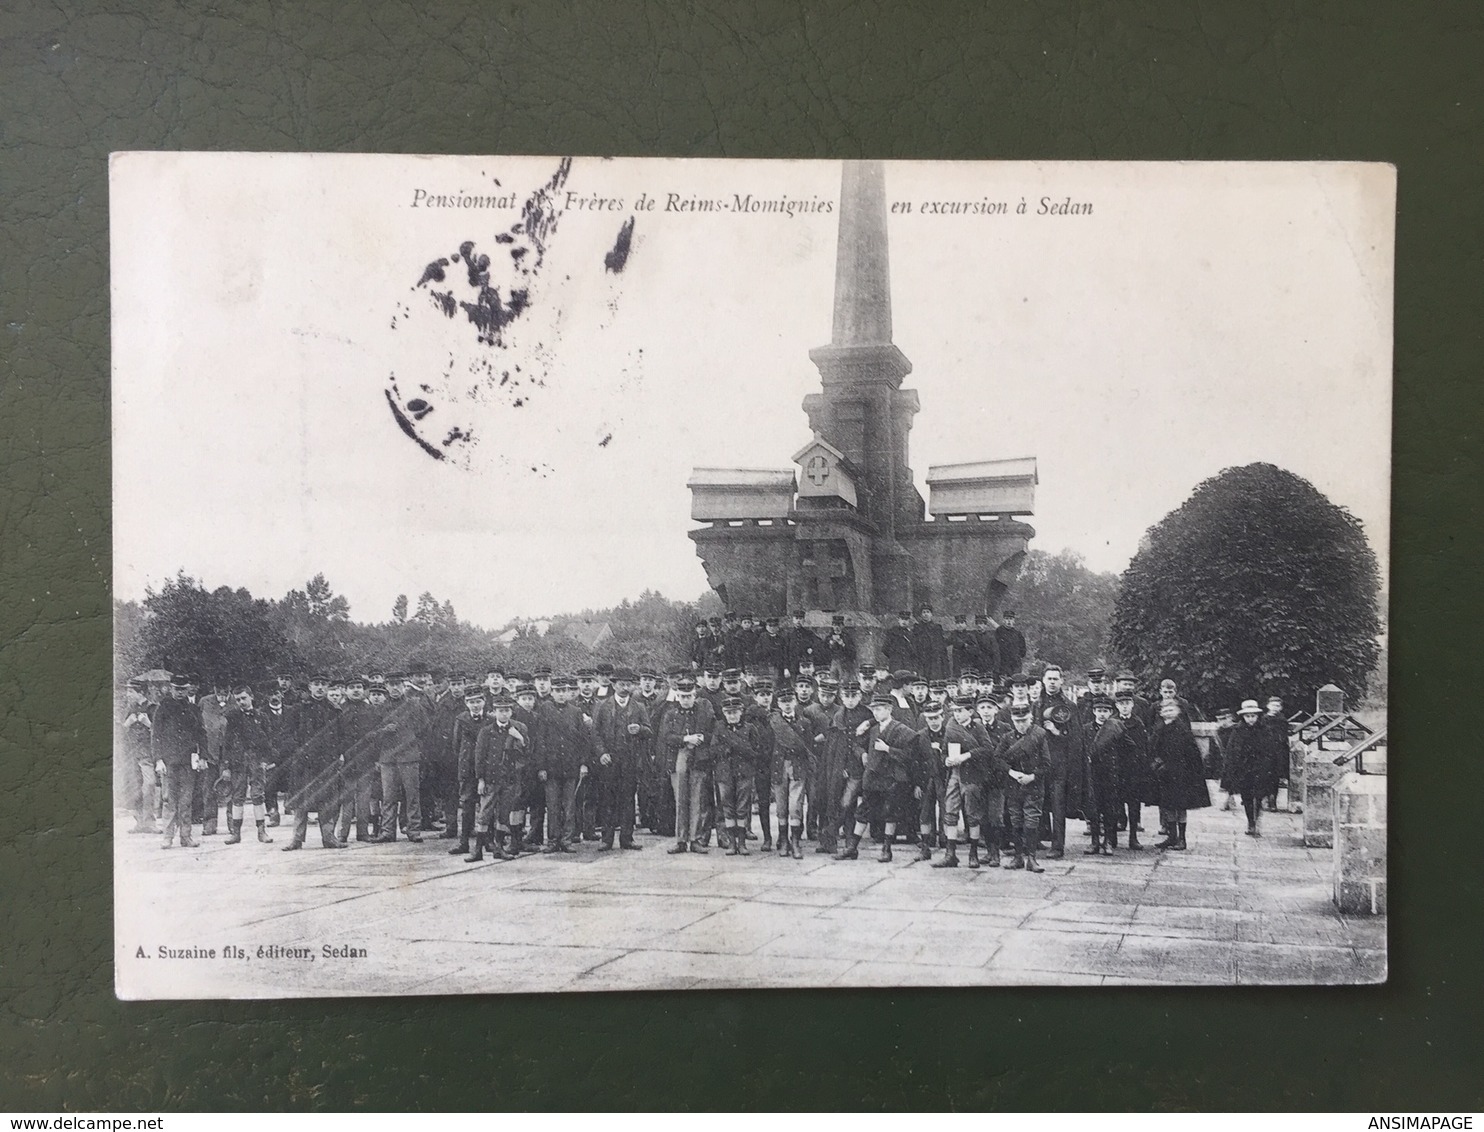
x,y
818,470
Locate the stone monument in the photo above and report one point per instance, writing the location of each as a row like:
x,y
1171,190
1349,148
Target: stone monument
x,y
845,531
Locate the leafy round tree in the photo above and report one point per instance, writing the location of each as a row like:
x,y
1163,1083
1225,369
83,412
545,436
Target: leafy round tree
x,y
1257,585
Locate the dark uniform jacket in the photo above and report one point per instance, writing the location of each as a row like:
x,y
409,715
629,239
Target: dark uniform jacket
x,y
611,729
1011,644
1114,760
793,741
895,764
177,733
679,722
500,759
898,648
1026,753
929,749
975,740
563,740
989,650
842,746
247,739
836,649
1175,761
931,649
462,739
801,645
768,652
441,753
405,732
1250,769
741,749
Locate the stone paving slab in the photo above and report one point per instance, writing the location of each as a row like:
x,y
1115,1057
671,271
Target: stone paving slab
x,y
1231,910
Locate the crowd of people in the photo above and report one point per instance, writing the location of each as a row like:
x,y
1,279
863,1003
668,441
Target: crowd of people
x,y
760,724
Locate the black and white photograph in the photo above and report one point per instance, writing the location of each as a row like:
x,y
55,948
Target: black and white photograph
x,y
550,574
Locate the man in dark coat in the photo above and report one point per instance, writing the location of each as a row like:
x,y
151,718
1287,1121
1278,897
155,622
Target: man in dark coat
x,y
462,740
800,646
622,734
930,645
177,739
1064,778
453,795
564,753
685,738
1010,643
988,647
898,648
768,651
1276,722
1250,767
312,773
358,769
402,737
1175,762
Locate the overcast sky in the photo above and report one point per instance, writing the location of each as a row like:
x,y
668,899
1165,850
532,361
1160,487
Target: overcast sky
x,y
1201,316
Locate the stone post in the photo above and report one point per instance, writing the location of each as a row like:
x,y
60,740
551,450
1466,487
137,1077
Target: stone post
x,y
1297,757
1360,844
1320,775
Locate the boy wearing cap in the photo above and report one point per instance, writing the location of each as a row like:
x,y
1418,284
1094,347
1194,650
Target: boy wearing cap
x,y
356,721
1026,756
246,747
886,778
1133,768
966,760
793,759
840,767
1109,749
623,735
402,737
499,765
739,743
996,775
930,770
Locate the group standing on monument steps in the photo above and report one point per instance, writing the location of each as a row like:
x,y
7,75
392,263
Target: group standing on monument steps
x,y
943,743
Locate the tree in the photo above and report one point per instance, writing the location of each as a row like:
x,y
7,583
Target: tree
x,y
399,610
1256,585
1064,609
427,609
223,635
324,602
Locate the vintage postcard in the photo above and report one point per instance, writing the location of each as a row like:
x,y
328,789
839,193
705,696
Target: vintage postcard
x,y
570,574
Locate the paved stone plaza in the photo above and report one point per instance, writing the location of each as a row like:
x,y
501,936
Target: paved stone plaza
x,y
1231,909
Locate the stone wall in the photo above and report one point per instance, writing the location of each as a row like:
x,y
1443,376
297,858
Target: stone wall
x,y
1320,775
1360,844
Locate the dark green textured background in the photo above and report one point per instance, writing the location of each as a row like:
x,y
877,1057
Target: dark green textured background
x,y
1009,79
